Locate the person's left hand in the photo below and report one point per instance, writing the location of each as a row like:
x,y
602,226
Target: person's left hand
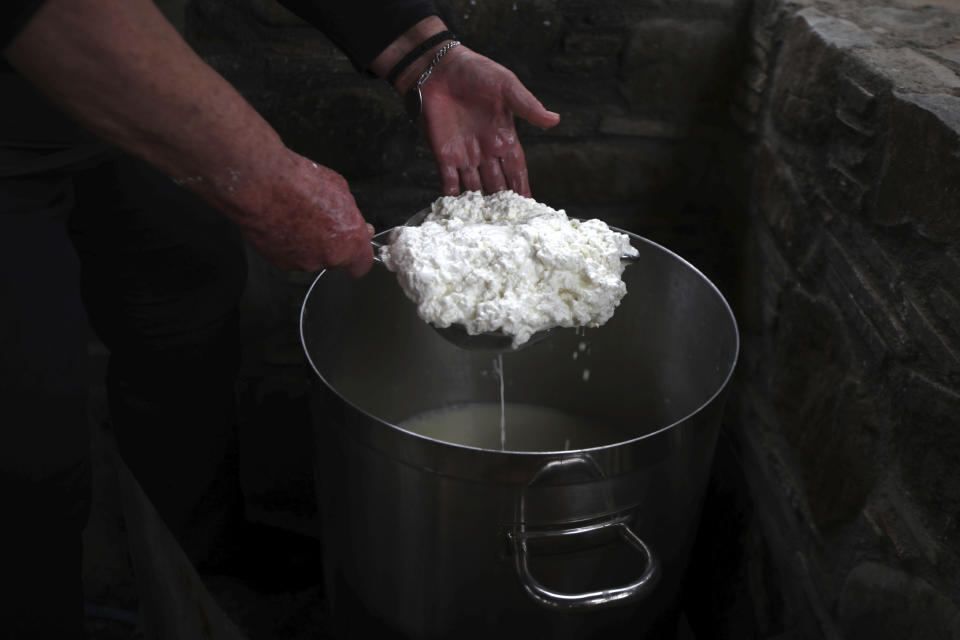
x,y
469,103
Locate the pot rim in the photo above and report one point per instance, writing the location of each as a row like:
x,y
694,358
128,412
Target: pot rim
x,y
719,391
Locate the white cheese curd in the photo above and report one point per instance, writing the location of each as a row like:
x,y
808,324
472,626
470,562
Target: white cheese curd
x,y
507,263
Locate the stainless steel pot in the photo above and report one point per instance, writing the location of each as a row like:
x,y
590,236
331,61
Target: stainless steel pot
x,y
430,539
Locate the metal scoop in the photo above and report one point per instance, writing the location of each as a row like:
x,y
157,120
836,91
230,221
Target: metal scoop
x,y
497,341
456,334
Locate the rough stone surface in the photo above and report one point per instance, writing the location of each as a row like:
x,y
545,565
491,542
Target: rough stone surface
x,y
850,357
828,417
658,51
927,441
881,602
912,71
923,189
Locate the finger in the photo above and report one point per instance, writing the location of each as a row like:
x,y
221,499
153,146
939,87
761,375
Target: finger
x,y
470,179
449,180
491,174
494,145
362,263
525,105
515,171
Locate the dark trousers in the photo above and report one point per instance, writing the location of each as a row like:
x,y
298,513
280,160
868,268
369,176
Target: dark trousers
x,y
108,243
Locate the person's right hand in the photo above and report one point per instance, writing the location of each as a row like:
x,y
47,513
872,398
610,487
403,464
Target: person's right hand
x,y
304,217
122,70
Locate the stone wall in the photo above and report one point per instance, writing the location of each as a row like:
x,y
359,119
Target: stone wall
x,y
806,156
844,422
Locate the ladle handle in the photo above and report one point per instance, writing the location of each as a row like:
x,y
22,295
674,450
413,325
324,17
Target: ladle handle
x,y
614,596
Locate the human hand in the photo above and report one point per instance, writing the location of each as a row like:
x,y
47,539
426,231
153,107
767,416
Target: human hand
x,y
469,103
123,71
304,217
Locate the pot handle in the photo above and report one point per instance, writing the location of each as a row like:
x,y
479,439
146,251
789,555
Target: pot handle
x,y
614,596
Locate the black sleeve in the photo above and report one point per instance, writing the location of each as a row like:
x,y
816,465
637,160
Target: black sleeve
x,y
361,28
14,15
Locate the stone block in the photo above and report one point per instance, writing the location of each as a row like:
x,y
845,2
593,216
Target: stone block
x,y
596,42
949,53
836,32
855,99
842,186
921,27
653,128
902,20
910,71
826,108
812,74
827,413
927,446
756,79
920,184
925,4
783,205
609,171
664,70
577,121
869,291
879,602
923,314
800,96
867,343
774,275
517,34
588,66
907,289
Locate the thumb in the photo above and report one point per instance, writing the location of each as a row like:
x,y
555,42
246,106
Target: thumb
x,y
525,105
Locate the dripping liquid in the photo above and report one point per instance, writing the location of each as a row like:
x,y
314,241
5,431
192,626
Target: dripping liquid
x,y
532,427
483,425
498,370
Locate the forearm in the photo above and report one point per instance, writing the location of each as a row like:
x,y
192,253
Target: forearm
x,y
123,71
362,28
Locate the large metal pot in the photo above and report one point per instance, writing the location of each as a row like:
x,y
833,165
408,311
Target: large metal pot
x,y
426,538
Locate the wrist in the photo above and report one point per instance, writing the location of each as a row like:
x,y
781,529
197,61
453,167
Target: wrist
x,y
244,191
413,96
407,44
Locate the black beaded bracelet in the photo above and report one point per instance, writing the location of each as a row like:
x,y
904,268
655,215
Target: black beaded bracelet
x,y
418,51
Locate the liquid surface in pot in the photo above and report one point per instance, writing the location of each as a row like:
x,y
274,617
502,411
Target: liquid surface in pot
x,y
528,428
